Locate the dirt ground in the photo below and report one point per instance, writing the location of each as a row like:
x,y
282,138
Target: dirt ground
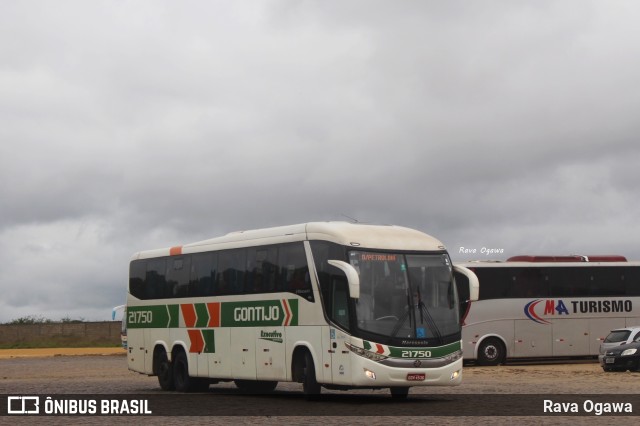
x,y
562,377
46,352
104,371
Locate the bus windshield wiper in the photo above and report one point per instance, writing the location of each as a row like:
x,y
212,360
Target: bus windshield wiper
x,y
403,318
424,312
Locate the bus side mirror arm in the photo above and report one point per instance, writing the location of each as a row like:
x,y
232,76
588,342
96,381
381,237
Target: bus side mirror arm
x,y
474,285
352,277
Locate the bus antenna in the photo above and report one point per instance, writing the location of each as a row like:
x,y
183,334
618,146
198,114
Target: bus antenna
x,y
354,220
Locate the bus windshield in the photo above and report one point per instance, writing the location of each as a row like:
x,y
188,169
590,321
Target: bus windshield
x,y
406,295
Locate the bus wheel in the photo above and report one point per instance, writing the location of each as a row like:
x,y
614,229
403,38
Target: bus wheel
x,y
310,385
256,386
184,382
491,352
164,370
399,392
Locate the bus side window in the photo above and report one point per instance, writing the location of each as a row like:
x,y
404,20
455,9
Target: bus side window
x,y
462,285
294,271
231,271
155,281
203,274
334,289
178,276
340,301
137,273
261,269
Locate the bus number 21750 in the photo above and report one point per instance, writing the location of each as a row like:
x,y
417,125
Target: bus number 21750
x,y
416,354
140,317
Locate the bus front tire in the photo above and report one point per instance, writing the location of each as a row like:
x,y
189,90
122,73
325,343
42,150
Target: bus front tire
x,y
310,385
491,352
183,382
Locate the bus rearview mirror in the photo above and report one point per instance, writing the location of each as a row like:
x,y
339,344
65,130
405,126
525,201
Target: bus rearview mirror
x,y
352,277
474,286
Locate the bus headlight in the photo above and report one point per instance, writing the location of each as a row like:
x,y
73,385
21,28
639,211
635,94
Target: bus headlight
x,y
370,374
453,356
455,374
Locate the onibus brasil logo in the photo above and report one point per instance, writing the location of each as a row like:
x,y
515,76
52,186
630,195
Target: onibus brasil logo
x,y
540,310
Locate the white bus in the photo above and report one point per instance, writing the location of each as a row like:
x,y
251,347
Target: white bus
x,y
123,328
333,305
547,306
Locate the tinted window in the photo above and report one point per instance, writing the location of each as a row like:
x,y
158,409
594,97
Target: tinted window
x,y
231,271
333,283
631,278
262,270
528,282
587,281
293,270
462,285
617,336
494,282
178,276
203,274
537,282
156,280
137,272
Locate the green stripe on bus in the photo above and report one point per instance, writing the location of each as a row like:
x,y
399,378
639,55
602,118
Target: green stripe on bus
x,y
203,315
257,313
209,341
437,352
263,313
158,316
174,315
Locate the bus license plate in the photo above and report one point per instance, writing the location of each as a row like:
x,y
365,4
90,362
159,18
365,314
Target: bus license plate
x,y
610,360
416,377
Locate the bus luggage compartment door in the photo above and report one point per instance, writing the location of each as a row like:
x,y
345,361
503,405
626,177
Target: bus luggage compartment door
x,y
531,339
570,337
243,353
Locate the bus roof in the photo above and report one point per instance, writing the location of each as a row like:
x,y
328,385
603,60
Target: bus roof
x,y
386,237
570,258
557,261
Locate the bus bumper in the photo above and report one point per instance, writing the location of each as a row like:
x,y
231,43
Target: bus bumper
x,y
367,373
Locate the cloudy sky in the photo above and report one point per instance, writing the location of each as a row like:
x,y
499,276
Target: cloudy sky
x,y
130,125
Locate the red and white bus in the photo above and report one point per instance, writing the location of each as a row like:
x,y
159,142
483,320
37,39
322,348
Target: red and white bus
x,y
547,306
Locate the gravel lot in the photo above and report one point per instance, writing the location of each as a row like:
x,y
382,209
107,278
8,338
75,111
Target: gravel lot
x,y
108,374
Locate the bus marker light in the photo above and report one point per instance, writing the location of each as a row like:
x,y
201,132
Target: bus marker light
x,y
370,374
455,375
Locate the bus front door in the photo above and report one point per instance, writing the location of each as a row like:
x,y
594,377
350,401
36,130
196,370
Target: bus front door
x,y
340,357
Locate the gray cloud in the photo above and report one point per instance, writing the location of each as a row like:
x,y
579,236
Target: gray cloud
x,y
498,124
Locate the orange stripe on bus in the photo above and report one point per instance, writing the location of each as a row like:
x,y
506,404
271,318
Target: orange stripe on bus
x,y
174,251
214,314
189,314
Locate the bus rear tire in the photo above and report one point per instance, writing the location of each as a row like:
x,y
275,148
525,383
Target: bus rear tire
x,y
183,382
491,352
164,370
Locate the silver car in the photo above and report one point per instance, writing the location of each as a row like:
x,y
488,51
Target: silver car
x,y
617,337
